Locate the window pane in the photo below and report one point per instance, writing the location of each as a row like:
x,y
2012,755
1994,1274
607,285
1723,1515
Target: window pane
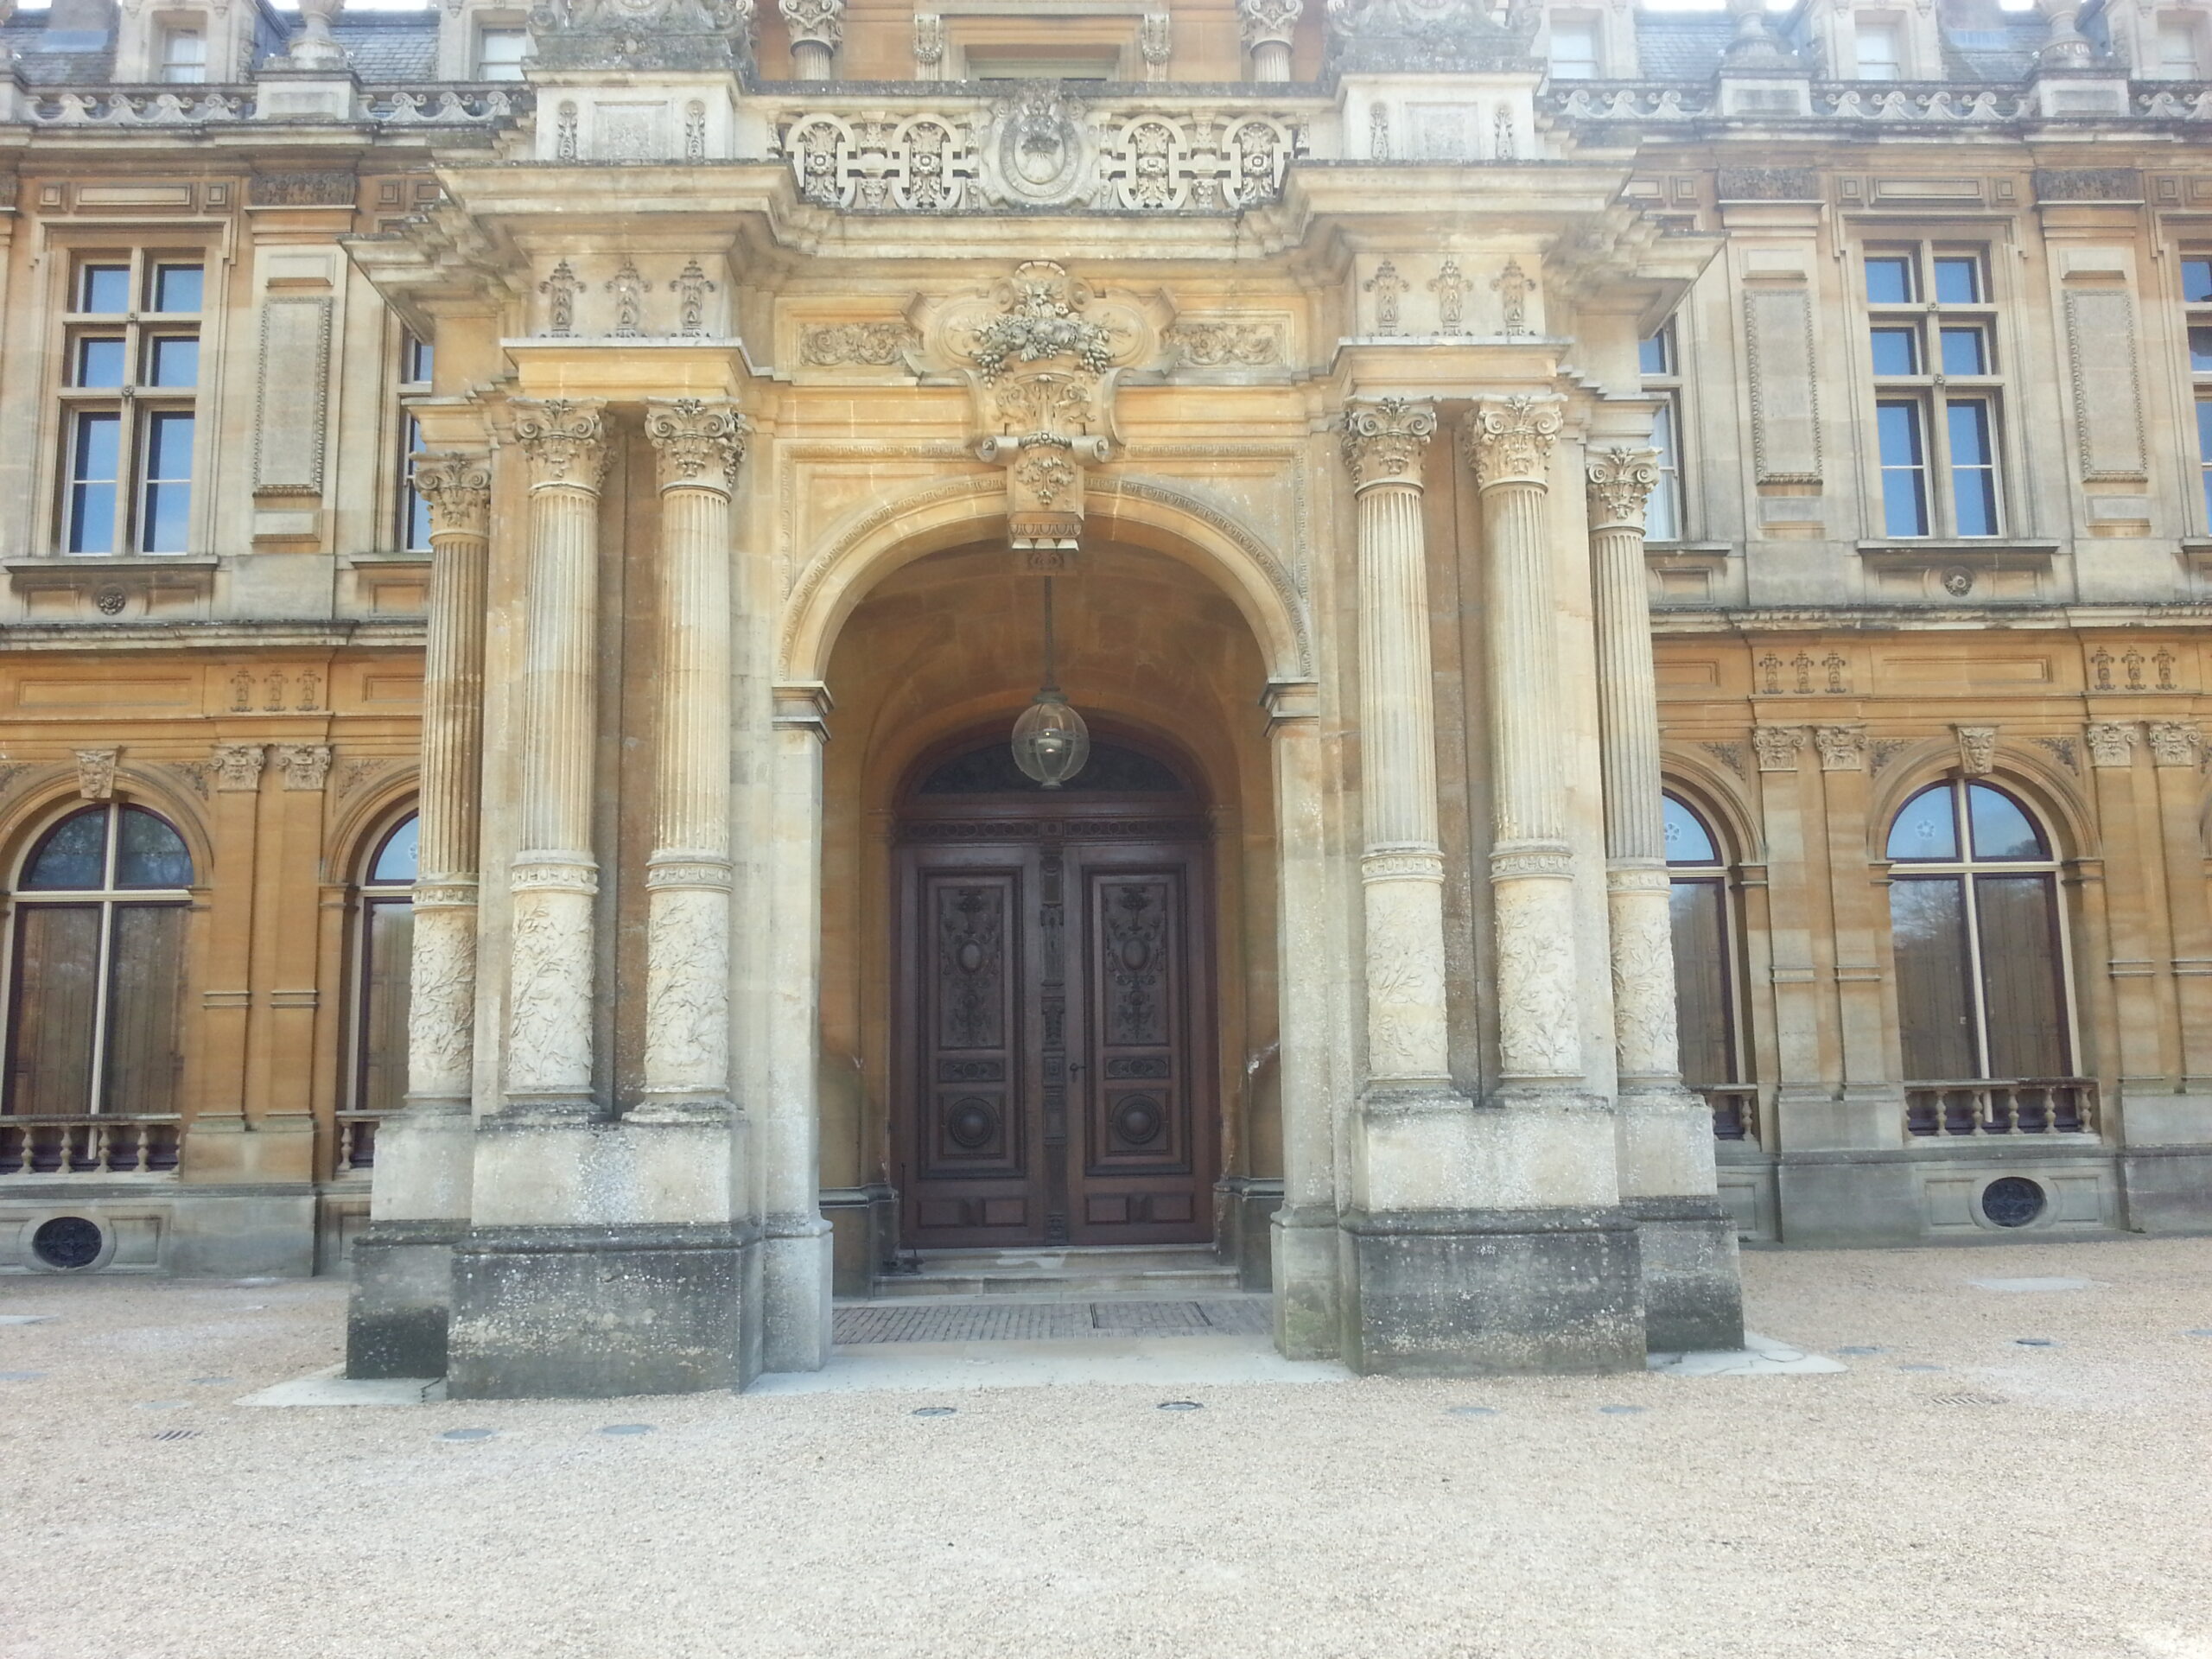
x,y
1687,840
1999,829
499,54
1889,279
2196,281
73,856
416,361
1925,829
149,853
1877,50
145,1050
1574,51
2200,350
1936,1021
1654,354
103,288
1701,995
2204,451
168,483
391,946
57,976
2020,976
172,360
1896,351
1973,470
1904,488
397,858
99,362
92,483
1958,280
176,288
1966,351
1663,513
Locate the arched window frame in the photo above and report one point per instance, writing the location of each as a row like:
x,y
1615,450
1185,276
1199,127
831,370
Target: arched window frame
x,y
1988,1104
43,1141
1734,1100
376,888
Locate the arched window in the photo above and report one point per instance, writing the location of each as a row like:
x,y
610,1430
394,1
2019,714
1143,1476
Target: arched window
x,y
385,950
1705,976
96,967
1982,1003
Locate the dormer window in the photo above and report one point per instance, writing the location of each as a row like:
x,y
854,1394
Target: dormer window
x,y
1574,49
500,52
184,56
1880,51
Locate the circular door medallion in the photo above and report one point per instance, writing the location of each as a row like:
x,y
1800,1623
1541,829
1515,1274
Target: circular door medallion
x,y
1138,1121
971,1122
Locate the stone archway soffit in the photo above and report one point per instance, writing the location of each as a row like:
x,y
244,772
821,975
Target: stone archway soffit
x,y
1143,511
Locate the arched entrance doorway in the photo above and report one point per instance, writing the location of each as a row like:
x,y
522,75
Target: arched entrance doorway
x,y
1054,1081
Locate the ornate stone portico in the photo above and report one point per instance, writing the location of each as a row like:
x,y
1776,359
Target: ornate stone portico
x,y
768,510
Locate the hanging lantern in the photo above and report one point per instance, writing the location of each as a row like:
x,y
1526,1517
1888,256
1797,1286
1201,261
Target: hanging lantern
x,y
1050,742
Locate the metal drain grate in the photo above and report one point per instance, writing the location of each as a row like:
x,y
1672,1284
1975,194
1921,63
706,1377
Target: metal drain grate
x,y
178,1434
1971,1399
1045,1321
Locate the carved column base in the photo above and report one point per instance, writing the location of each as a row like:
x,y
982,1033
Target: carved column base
x,y
1483,1291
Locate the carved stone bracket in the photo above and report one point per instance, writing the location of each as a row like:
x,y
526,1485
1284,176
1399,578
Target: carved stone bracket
x,y
1510,439
1778,746
564,440
238,767
1385,441
1977,750
1843,749
457,488
701,444
2176,743
96,773
305,766
2112,743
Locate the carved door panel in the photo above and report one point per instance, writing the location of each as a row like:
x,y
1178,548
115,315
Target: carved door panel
x,y
1054,1002
1142,1166
973,1174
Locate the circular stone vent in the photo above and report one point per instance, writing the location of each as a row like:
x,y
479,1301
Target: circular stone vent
x,y
67,1242
2012,1202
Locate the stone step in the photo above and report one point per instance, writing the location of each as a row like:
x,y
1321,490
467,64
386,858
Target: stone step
x,y
1072,1274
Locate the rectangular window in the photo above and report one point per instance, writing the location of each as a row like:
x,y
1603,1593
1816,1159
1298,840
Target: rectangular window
x,y
414,365
2197,295
1574,50
184,56
131,373
1664,517
1881,56
2176,53
1904,469
2204,453
499,54
1928,924
1936,396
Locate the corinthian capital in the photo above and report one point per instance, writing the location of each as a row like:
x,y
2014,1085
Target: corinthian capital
x,y
1385,441
1621,482
1268,22
457,488
563,440
1510,439
700,442
815,23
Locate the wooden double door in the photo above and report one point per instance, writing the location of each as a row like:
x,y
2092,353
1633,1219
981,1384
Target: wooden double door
x,y
1055,1008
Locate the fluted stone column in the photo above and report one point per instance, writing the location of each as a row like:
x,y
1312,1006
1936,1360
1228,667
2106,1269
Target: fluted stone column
x,y
1402,868
1268,27
1509,441
688,878
554,877
419,1204
1687,1242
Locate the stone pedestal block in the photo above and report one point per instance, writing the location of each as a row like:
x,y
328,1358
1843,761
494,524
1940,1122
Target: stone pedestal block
x,y
1693,1298
1475,1293
403,1289
597,1312
1304,1246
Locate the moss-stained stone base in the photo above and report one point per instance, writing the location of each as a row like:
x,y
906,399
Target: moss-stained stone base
x,y
1476,1293
403,1291
597,1312
1693,1298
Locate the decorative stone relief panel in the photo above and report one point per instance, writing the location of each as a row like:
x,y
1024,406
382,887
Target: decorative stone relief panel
x,y
1785,399
293,402
2102,360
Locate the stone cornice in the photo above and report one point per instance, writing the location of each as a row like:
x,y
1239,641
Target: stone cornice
x,y
1670,621
213,636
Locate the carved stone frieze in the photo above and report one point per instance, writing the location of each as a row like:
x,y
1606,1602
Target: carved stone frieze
x,y
1510,439
1621,482
700,442
628,289
1450,286
1537,1029
304,188
691,285
1203,345
96,773
1385,439
687,987
1644,1022
868,345
642,35
1512,286
441,997
563,439
549,1019
456,487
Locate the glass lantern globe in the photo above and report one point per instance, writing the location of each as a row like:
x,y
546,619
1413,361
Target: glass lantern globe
x,y
1050,742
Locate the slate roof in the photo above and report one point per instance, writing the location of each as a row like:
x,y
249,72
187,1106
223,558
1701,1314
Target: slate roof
x,y
392,46
1681,45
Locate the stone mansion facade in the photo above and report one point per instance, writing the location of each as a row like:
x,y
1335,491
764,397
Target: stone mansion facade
x,y
1637,582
